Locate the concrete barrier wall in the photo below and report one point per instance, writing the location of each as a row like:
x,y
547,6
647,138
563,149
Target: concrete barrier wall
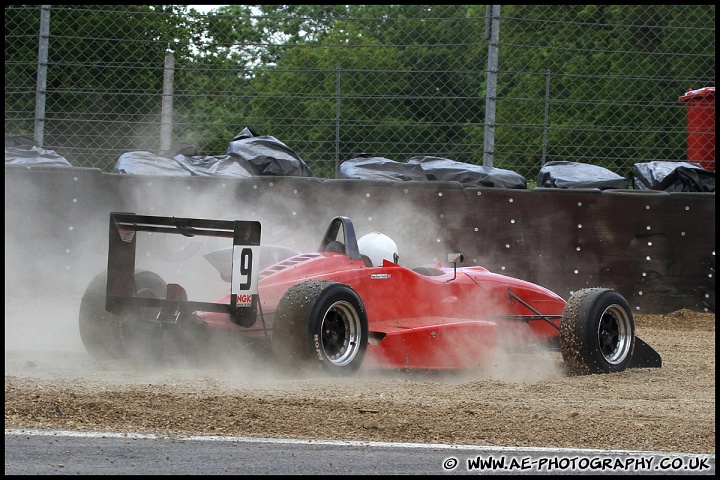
x,y
655,248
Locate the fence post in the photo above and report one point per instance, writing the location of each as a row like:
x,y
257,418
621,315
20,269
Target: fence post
x,y
546,120
492,34
337,122
41,87
166,119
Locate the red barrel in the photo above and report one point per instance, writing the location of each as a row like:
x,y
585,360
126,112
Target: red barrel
x,y
700,106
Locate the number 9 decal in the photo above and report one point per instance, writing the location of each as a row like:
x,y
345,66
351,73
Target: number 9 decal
x,y
245,270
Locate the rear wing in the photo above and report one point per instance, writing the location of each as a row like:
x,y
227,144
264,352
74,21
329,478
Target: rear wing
x,y
122,246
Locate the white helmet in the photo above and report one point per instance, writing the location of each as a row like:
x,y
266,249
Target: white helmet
x,y
378,247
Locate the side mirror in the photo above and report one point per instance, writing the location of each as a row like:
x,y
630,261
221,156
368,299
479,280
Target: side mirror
x,y
456,258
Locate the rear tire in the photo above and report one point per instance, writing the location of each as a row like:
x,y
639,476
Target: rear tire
x,y
107,336
320,323
597,332
98,329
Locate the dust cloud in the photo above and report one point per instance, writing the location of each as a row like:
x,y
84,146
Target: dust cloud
x,y
56,242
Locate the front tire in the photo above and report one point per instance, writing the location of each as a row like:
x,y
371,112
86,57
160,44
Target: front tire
x,y
597,332
320,323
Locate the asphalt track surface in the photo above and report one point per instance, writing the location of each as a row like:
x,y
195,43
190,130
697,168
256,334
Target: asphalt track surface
x,y
52,452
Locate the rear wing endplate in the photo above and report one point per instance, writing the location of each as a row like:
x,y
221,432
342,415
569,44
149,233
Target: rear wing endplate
x,y
122,248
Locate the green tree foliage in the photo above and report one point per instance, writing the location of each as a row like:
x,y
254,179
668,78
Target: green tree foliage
x,y
212,91
22,75
592,53
403,83
104,73
586,83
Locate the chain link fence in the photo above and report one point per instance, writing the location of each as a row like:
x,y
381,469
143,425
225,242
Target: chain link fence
x,y
511,87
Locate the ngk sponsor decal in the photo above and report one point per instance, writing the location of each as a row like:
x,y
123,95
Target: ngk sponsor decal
x,y
244,300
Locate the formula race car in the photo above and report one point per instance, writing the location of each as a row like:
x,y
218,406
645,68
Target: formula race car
x,y
350,303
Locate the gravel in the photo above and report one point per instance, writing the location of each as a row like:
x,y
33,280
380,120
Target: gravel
x,y
530,400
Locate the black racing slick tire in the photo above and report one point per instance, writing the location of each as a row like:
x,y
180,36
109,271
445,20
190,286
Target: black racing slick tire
x,y
320,323
98,331
597,332
108,336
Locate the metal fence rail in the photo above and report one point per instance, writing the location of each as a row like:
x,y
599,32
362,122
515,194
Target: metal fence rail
x,y
511,87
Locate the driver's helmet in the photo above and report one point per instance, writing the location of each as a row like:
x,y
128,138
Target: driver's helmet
x,y
378,247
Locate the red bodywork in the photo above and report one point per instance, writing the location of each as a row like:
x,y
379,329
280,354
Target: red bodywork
x,y
454,319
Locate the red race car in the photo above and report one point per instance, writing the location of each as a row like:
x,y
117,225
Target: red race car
x,y
350,303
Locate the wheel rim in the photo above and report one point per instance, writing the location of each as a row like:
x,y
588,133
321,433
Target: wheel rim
x,y
615,334
341,333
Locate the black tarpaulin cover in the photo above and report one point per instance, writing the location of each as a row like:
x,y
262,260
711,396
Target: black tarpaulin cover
x,y
268,155
146,163
248,155
443,169
21,150
368,167
673,177
561,174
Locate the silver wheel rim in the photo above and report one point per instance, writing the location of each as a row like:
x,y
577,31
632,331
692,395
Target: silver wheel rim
x,y
615,334
340,333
